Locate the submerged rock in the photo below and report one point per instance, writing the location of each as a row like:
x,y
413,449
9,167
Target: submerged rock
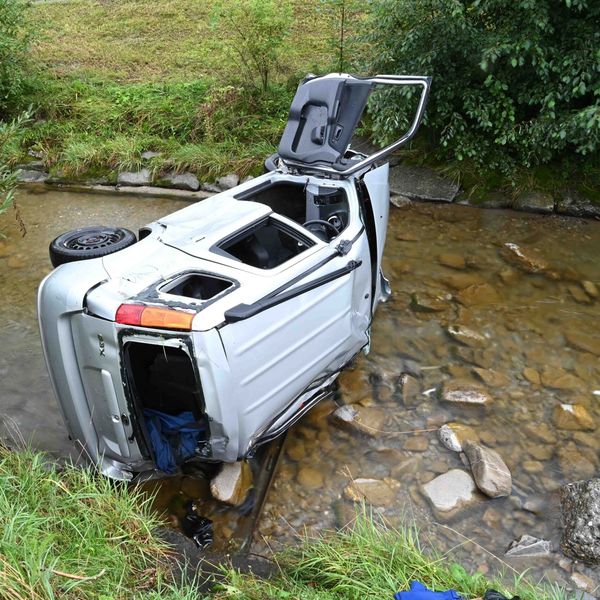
x,y
232,483
450,491
525,259
424,302
560,379
367,420
309,477
583,342
379,492
466,392
411,390
454,435
574,463
580,507
467,336
528,545
573,417
453,261
492,378
579,294
480,294
532,375
489,470
590,289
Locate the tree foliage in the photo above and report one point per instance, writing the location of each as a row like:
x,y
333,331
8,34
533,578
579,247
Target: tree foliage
x,y
515,82
14,44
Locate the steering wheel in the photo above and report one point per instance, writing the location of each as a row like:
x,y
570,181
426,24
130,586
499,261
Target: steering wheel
x,y
320,226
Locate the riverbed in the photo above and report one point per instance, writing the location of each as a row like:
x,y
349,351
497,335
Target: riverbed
x,y
448,269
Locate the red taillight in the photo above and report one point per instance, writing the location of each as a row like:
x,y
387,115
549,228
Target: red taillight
x,y
154,316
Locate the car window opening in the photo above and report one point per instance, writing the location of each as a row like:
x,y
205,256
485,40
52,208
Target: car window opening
x,y
303,203
266,245
198,286
168,402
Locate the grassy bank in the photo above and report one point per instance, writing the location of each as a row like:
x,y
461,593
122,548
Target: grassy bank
x,y
115,79
370,560
74,535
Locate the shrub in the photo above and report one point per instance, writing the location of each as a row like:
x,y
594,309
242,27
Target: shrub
x,y
515,82
257,32
14,44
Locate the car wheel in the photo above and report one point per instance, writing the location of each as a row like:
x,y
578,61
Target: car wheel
x,y
89,242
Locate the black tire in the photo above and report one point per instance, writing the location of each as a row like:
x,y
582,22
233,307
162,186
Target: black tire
x,y
89,242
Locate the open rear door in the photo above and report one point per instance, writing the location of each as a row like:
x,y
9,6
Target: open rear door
x,y
324,115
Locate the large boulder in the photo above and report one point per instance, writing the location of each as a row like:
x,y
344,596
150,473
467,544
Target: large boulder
x,y
451,491
489,470
580,507
535,201
421,183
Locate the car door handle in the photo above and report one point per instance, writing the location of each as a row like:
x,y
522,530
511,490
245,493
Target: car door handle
x,y
245,311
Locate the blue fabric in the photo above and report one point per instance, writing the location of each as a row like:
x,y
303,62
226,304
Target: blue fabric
x,y
173,437
418,591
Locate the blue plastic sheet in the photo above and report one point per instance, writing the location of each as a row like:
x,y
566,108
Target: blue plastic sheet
x,y
174,438
418,591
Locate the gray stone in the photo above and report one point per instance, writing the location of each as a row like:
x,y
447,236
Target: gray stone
x,y
228,181
142,177
400,201
575,204
489,470
580,508
27,176
149,155
247,179
33,165
421,183
535,201
454,435
211,187
528,545
365,419
181,181
451,490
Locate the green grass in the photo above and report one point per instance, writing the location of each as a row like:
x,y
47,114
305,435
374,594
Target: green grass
x,y
75,535
370,560
113,79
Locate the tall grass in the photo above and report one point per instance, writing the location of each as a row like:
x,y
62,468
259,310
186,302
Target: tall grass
x,y
75,535
372,560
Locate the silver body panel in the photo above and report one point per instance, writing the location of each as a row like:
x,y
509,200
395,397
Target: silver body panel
x,y
257,367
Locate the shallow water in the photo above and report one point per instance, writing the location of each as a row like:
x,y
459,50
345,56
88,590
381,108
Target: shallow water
x,y
524,321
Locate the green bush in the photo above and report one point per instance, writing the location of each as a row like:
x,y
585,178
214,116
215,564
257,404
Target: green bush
x,y
256,32
515,82
14,44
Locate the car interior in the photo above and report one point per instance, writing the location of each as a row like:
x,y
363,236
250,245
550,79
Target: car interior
x,y
324,211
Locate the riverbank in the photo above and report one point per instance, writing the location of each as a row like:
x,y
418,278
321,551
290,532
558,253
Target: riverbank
x,y
157,90
69,533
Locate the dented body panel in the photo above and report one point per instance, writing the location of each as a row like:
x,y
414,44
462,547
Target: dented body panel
x,y
241,309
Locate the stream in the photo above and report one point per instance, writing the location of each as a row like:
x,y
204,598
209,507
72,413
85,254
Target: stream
x,y
538,345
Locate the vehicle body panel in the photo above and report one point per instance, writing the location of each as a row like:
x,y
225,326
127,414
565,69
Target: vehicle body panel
x,y
279,277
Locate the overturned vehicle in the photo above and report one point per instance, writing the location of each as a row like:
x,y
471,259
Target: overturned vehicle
x,y
231,318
